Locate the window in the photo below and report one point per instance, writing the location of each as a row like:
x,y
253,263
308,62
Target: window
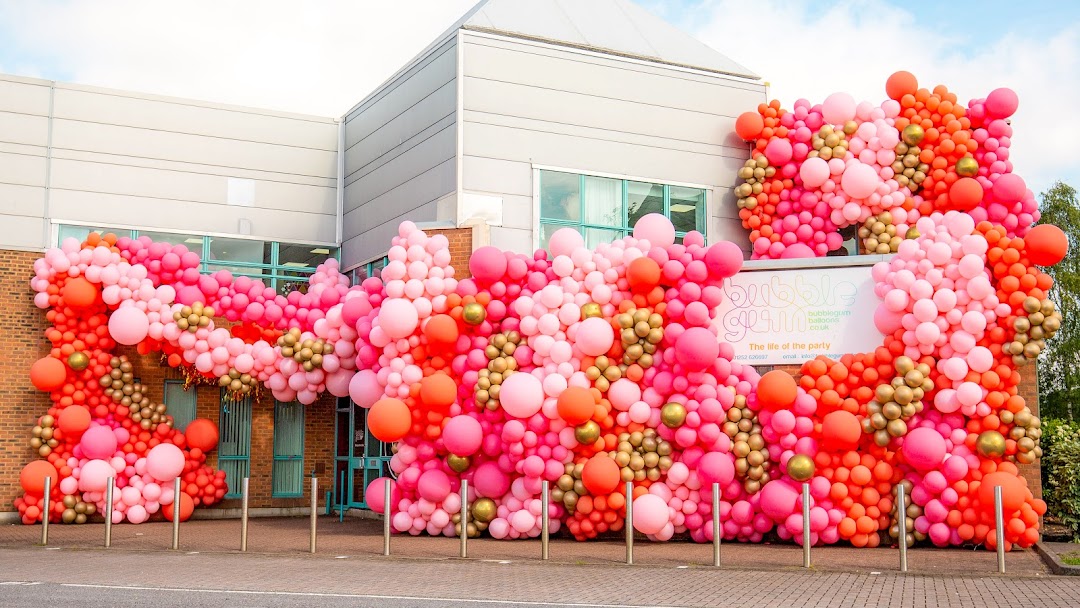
x,y
603,209
371,269
80,232
288,474
234,444
180,403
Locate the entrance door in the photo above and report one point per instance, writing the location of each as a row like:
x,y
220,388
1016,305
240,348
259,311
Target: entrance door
x,y
359,458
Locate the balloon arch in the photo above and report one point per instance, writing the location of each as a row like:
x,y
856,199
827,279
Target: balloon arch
x,y
590,368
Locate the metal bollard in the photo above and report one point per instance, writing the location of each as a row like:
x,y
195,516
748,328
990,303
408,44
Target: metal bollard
x,y
630,523
244,514
805,525
45,507
464,519
388,511
901,521
545,533
314,511
716,525
176,515
999,523
341,504
108,511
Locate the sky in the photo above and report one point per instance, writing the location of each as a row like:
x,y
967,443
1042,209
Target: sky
x,y
322,57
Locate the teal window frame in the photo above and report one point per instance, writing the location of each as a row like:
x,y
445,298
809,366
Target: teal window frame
x,y
624,226
288,466
190,402
234,456
370,269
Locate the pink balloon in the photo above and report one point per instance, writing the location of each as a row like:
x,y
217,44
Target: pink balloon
x,y
924,448
696,348
433,485
724,259
364,388
94,475
564,241
595,336
463,435
715,467
650,514
375,494
490,480
838,108
1002,103
656,229
859,181
521,395
398,318
814,171
778,151
487,263
165,462
98,441
128,325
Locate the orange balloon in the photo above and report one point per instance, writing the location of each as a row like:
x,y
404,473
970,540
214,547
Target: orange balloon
x,y
73,420
777,390
202,434
33,475
438,391
389,419
840,430
79,293
576,405
441,329
966,194
1013,492
749,125
600,475
901,83
48,374
643,274
1046,245
187,507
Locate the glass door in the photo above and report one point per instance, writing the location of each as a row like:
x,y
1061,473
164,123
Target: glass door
x,y
359,458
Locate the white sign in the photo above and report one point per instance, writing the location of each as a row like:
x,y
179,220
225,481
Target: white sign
x,y
775,317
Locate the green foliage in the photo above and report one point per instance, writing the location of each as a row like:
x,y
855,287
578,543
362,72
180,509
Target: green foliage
x,y
1059,363
1061,472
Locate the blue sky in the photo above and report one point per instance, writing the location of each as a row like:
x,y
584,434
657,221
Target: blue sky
x,y
321,58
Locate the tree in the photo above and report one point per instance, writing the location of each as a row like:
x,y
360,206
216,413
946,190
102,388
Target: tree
x,y
1059,363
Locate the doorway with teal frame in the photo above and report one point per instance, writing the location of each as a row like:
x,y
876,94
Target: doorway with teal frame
x,y
359,458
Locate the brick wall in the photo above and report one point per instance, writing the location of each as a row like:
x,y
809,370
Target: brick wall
x,y
461,247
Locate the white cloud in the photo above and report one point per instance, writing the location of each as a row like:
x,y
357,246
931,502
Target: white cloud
x,y
806,52
311,57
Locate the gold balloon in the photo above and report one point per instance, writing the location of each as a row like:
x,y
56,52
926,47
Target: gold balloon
x,y
590,309
484,510
991,444
913,134
673,415
587,433
800,467
78,361
458,464
967,167
474,313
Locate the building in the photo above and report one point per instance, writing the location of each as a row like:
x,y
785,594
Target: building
x,y
523,117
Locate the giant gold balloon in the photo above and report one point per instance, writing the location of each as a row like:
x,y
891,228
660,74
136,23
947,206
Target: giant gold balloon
x,y
673,415
484,510
78,361
587,433
590,309
913,134
991,444
967,167
800,467
474,313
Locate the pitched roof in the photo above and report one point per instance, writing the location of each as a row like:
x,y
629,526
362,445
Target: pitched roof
x,y
617,27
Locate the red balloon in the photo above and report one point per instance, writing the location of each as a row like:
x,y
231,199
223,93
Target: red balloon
x,y
73,420
777,390
187,507
438,391
576,405
389,419
202,434
901,83
48,374
965,194
79,293
1046,245
600,475
840,431
643,274
441,329
749,125
1013,492
32,477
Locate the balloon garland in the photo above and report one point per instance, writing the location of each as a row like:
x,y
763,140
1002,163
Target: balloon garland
x,y
591,368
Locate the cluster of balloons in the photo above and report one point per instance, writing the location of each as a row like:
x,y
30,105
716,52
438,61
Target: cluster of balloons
x,y
821,168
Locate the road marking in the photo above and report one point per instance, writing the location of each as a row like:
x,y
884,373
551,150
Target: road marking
x,y
26,583
459,600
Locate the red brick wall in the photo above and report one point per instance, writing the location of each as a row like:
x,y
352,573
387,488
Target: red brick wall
x,y
461,247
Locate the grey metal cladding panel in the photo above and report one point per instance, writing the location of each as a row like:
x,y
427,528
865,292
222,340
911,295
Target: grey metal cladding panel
x,y
728,229
183,185
28,201
725,205
578,109
496,176
408,89
26,129
22,169
182,147
557,69
412,194
512,239
419,159
390,141
596,150
99,208
176,116
23,97
375,240
21,232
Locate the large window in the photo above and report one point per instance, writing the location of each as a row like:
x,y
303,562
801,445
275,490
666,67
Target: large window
x,y
180,403
282,266
288,474
371,269
603,209
234,444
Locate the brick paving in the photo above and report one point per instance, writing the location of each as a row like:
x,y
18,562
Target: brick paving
x,y
349,561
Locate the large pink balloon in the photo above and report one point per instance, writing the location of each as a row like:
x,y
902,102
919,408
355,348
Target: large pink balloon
x,y
487,263
374,494
1002,103
650,514
724,259
463,435
490,481
398,318
128,325
838,108
656,229
778,151
521,395
595,336
814,171
564,241
716,467
433,485
165,462
98,442
859,180
94,475
696,348
924,448
364,388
